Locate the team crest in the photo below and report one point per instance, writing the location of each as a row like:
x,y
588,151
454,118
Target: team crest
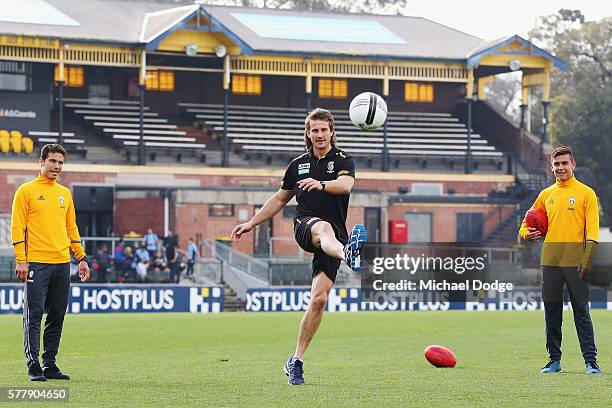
x,y
31,274
330,167
303,168
572,200
61,200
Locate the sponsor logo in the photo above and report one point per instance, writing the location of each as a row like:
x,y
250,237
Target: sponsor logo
x,y
40,198
330,167
16,113
343,172
303,168
551,201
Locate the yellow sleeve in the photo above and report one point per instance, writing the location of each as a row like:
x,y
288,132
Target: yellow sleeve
x,y
19,218
538,204
73,232
591,213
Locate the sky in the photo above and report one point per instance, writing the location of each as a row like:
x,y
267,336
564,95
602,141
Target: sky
x,y
490,19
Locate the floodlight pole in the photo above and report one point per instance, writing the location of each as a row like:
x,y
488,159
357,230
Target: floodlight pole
x,y
226,90
468,155
142,86
60,102
60,84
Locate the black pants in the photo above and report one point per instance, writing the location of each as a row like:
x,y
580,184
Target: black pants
x,y
552,292
175,272
46,291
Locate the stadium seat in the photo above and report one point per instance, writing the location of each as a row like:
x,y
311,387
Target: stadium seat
x,y
4,133
16,134
27,145
5,143
15,143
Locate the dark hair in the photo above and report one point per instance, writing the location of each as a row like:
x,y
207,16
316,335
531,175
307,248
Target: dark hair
x,y
52,148
319,114
560,151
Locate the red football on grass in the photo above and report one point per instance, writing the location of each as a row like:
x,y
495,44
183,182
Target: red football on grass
x,y
440,356
537,219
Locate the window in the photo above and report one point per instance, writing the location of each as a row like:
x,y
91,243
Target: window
x,y
221,210
15,76
246,84
417,92
160,81
74,77
333,88
430,189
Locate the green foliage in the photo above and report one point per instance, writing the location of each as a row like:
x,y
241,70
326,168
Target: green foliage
x,y
582,94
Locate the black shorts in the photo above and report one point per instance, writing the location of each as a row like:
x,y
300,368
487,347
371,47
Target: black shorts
x,y
321,261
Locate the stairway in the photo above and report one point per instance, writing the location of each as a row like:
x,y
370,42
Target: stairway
x,y
507,231
231,302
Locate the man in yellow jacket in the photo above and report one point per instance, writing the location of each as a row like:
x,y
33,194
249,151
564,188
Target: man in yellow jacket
x,y
44,230
571,240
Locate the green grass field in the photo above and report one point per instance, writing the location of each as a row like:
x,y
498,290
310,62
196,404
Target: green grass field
x,y
356,359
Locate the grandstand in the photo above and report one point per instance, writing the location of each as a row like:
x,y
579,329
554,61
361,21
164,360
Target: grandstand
x,y
188,115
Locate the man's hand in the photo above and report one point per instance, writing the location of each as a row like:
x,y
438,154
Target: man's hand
x,y
21,270
583,272
84,271
309,184
533,234
239,230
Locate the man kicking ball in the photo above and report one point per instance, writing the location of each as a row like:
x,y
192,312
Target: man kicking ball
x,y
321,180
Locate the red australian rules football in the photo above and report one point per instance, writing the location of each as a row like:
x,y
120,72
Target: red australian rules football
x,y
440,356
537,219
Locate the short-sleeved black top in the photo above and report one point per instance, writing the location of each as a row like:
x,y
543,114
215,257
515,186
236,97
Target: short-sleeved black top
x,y
329,207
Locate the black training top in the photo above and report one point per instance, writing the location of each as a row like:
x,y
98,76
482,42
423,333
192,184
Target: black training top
x,y
329,207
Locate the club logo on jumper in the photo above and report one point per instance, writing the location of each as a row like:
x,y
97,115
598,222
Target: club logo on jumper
x,y
572,200
41,198
330,167
61,200
303,168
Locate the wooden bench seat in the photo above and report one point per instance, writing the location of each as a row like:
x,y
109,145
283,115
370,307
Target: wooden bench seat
x,y
155,147
120,113
122,119
135,125
170,139
149,132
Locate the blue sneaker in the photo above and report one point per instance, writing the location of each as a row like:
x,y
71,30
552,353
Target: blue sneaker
x,y
592,367
553,366
294,369
352,250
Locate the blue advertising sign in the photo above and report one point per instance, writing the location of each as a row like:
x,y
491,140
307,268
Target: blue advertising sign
x,y
350,300
91,298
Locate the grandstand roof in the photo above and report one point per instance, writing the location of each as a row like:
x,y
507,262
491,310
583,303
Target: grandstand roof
x,y
254,30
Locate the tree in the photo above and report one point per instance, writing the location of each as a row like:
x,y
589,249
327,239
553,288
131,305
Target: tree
x,y
582,94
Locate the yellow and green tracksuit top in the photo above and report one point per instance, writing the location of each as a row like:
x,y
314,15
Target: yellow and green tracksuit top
x,y
43,224
573,219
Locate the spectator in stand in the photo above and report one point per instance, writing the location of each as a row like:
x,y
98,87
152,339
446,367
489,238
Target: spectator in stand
x,y
192,256
171,247
103,259
141,262
159,264
152,242
129,270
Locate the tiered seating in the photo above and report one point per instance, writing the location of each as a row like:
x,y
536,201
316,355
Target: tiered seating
x,y
14,142
119,123
275,130
70,143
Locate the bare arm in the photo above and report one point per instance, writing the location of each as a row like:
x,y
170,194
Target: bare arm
x,y
342,185
269,210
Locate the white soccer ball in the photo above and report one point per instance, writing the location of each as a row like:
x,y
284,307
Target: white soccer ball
x,y
368,111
